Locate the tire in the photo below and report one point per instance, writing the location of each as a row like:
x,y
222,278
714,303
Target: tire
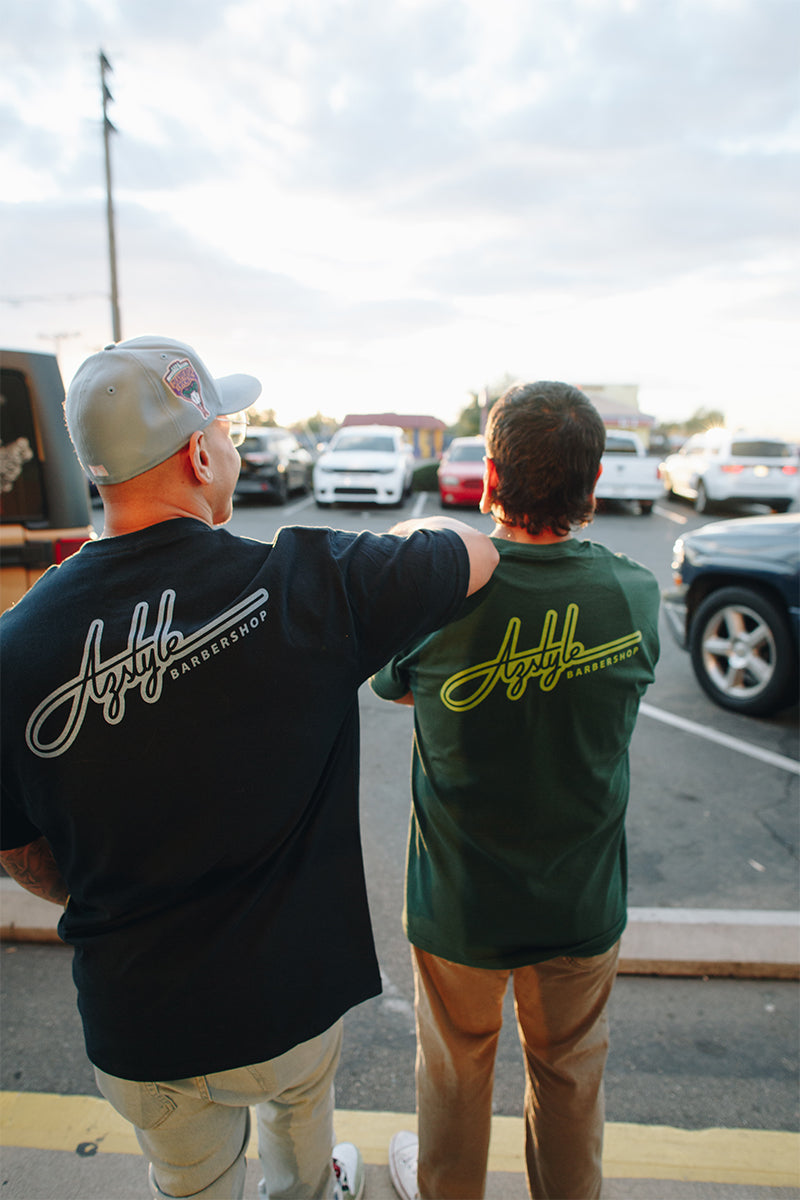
x,y
742,652
645,507
781,506
702,504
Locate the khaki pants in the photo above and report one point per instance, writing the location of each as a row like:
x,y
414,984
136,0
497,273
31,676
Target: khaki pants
x,y
195,1131
563,1027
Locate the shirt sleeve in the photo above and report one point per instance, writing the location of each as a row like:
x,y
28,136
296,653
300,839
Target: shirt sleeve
x,y
393,681
402,588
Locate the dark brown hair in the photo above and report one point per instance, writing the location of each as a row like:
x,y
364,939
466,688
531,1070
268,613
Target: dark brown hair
x,y
546,440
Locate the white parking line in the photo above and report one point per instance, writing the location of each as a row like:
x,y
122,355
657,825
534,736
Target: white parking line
x,y
298,505
419,504
722,739
678,518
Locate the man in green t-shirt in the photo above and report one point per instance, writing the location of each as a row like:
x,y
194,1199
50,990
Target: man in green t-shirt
x,y
524,708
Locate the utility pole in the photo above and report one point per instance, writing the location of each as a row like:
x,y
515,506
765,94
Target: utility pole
x,y
108,129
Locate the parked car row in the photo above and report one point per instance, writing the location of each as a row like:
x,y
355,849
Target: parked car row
x,y
735,607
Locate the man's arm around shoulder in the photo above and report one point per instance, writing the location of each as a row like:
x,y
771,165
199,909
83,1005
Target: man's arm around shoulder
x,y
483,555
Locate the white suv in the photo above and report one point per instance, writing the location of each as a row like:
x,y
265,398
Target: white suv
x,y
718,466
365,464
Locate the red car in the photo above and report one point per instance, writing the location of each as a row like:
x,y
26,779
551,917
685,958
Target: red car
x,y
461,472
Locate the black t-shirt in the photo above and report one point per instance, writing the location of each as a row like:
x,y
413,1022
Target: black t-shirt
x,y
180,721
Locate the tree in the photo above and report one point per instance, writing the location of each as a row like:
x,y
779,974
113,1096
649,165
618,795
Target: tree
x,y
702,419
317,428
472,418
261,416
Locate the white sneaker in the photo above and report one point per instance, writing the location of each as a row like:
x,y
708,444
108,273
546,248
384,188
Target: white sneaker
x,y
348,1167
348,1172
403,1155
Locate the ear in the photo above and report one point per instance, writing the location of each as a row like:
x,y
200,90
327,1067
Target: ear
x,y
198,457
490,482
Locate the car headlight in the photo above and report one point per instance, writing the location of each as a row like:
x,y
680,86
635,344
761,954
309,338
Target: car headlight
x,y
677,561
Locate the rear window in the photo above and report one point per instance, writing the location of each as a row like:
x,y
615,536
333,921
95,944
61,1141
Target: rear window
x,y
21,484
365,442
761,449
468,453
263,440
618,445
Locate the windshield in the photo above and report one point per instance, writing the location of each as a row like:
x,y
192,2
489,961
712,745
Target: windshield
x,y
619,445
372,441
758,449
471,452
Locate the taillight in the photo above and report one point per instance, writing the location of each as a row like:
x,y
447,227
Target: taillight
x,y
732,468
789,469
64,547
259,458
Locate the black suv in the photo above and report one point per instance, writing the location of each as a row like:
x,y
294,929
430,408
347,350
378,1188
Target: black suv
x,y
737,610
44,496
274,464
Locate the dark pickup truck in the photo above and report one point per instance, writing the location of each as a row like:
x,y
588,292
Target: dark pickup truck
x,y
45,512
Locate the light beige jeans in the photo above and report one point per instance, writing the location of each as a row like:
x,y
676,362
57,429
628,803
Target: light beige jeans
x,y
563,1028
195,1131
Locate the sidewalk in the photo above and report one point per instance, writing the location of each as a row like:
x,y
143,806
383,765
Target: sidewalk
x,y
61,1147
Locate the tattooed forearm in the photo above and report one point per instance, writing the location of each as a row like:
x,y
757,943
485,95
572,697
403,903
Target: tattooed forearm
x,y
34,868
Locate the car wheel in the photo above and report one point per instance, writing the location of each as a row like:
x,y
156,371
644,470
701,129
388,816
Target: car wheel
x,y
281,490
742,651
702,504
322,503
781,506
645,507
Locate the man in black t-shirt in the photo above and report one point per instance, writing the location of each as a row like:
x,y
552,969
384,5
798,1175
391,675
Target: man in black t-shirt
x,y
180,771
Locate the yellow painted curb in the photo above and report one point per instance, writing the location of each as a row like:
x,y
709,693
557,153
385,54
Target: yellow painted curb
x,y
41,1121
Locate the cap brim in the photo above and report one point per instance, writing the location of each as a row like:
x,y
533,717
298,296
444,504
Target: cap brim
x,y
237,392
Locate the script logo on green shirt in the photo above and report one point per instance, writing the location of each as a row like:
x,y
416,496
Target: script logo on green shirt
x,y
546,662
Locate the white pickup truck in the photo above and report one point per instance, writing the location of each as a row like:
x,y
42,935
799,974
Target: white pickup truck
x,y
629,472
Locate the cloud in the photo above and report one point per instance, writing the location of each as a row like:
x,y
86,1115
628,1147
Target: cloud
x,y
342,182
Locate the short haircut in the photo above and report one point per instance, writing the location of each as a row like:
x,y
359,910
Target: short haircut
x,y
546,440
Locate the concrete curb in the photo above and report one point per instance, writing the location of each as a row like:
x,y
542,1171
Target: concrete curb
x,y
741,943
736,943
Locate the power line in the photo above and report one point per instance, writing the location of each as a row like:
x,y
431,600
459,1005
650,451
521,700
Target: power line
x,y
52,298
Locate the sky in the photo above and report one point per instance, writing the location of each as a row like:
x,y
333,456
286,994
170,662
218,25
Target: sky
x,y
385,205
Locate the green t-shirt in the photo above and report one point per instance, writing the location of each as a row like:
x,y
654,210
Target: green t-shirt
x,y
524,708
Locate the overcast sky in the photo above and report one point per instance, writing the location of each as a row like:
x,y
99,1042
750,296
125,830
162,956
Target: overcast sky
x,y
385,204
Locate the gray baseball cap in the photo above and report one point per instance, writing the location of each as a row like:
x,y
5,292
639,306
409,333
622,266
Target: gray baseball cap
x,y
137,402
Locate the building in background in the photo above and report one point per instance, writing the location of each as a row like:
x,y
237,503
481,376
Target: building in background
x,y
618,405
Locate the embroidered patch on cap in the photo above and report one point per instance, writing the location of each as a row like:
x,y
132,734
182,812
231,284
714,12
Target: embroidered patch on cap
x,y
181,378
